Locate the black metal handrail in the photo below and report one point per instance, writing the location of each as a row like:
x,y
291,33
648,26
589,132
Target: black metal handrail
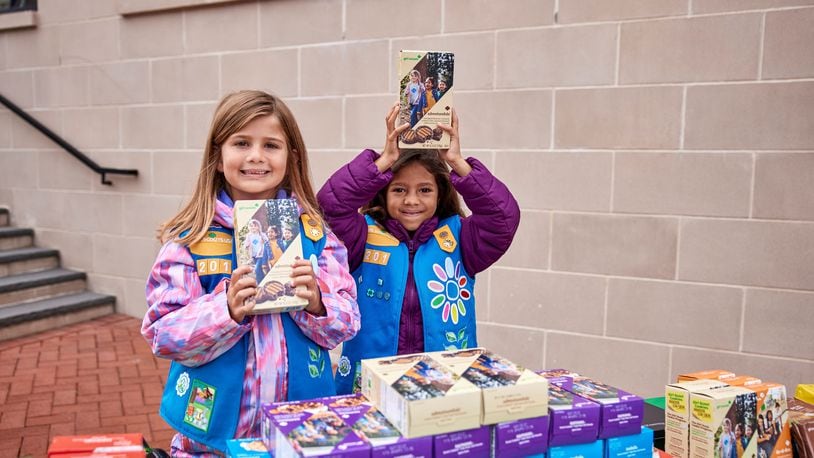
x,y
103,171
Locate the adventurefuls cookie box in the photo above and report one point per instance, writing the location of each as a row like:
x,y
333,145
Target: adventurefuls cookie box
x,y
508,391
426,89
420,396
267,238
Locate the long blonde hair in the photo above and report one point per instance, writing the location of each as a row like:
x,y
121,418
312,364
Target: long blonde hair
x,y
232,114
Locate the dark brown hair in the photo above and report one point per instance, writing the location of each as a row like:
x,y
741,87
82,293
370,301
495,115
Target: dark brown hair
x,y
448,202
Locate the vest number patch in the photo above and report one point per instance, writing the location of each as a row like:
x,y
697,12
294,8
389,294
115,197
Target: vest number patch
x,y
214,266
376,257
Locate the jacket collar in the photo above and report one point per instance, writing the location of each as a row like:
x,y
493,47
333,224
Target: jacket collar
x,y
421,235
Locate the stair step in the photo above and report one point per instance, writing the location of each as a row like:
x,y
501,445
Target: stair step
x,y
32,286
27,260
14,237
32,317
5,218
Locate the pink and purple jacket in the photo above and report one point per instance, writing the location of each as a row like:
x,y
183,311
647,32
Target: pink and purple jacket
x,y
191,327
485,235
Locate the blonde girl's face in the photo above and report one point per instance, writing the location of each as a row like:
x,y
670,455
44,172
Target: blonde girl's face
x,y
412,196
253,159
414,77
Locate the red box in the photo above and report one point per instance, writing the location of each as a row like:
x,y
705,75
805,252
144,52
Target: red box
x,y
97,446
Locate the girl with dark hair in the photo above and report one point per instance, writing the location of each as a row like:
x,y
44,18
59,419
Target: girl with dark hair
x,y
411,249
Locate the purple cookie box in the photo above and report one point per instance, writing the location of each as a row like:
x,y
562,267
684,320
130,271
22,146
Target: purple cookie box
x,y
561,377
386,440
574,419
282,418
520,438
472,443
621,415
620,412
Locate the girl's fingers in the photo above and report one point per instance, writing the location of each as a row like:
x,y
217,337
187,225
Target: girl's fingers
x,y
304,293
398,131
451,128
390,119
306,280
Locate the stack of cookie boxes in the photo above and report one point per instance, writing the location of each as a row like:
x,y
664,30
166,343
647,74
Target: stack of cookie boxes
x,y
592,419
724,413
470,403
462,403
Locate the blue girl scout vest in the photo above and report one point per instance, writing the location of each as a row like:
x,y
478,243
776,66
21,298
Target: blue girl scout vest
x,y
203,403
445,292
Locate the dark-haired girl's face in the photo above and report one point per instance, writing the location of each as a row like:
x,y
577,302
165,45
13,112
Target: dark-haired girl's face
x,y
412,196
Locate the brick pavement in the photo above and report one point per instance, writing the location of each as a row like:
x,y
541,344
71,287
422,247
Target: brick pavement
x,y
93,377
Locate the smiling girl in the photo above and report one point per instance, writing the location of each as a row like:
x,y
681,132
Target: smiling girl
x,y
198,315
411,249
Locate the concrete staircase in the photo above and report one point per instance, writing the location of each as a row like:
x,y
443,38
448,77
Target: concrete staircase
x,y
36,294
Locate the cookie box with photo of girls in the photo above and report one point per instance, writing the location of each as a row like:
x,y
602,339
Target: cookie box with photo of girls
x,y
267,238
714,414
509,391
574,419
677,414
426,82
309,428
419,395
620,413
369,424
773,420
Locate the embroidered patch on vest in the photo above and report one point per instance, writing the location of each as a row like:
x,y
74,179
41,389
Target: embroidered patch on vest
x,y
182,385
317,364
445,239
378,237
214,243
376,257
199,407
344,366
213,266
311,227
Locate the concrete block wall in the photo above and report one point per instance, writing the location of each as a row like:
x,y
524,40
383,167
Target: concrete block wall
x,y
662,153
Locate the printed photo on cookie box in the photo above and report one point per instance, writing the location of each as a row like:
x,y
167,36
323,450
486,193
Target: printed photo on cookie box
x,y
420,396
509,391
309,428
574,419
425,97
722,420
621,413
267,238
370,425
